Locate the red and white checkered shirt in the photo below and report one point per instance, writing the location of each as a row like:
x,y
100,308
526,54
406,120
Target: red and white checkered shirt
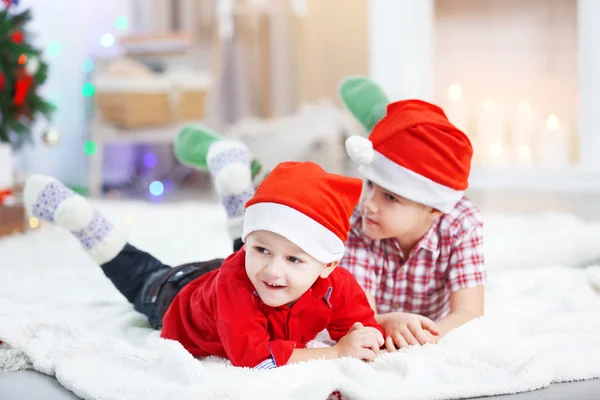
x,y
449,257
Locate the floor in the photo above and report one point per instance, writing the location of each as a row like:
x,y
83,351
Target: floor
x,y
32,385
585,390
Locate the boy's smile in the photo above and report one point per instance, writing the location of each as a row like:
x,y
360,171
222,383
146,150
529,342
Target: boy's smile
x,y
273,285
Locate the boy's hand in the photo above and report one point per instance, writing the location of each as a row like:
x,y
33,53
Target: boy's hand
x,y
404,329
360,342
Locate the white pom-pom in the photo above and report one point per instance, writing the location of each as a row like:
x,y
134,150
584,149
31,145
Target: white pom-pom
x,y
360,149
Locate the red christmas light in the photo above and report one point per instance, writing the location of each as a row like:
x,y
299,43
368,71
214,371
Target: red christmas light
x,y
17,37
22,89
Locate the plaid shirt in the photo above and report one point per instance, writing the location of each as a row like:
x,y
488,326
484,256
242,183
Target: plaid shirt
x,y
449,257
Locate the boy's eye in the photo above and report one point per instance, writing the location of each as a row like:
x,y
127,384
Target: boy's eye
x,y
390,197
261,250
369,184
295,260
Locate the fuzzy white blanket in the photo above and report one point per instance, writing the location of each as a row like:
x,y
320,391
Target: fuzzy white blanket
x,y
59,313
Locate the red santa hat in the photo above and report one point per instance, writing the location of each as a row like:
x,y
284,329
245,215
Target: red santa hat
x,y
416,153
306,205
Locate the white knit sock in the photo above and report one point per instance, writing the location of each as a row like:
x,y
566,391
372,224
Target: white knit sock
x,y
229,164
49,200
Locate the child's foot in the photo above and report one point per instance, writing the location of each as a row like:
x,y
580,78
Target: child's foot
x,y
229,165
192,145
364,99
49,200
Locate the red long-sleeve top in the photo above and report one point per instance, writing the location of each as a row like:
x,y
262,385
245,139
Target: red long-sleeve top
x,y
221,314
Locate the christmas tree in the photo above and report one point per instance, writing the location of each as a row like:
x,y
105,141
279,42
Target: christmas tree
x,y
22,71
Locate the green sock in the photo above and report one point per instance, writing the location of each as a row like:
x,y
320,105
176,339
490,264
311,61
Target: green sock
x,y
192,144
364,99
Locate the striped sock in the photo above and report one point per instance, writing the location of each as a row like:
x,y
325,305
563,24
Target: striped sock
x,y
229,163
49,200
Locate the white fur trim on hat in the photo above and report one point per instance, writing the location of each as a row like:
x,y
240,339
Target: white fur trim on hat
x,y
306,233
406,183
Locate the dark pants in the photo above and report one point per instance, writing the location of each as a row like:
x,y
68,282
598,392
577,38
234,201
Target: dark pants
x,y
149,284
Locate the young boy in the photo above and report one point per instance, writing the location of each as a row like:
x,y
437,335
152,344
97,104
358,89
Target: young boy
x,y
415,243
263,304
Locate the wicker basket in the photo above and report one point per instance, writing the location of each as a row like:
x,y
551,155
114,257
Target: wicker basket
x,y
135,102
151,101
192,90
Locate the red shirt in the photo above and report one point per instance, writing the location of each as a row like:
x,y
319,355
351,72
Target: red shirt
x,y
221,314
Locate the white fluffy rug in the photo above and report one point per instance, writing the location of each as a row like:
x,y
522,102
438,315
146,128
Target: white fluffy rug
x,y
60,315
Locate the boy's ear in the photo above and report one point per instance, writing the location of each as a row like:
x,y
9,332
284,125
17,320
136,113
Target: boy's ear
x,y
435,214
329,269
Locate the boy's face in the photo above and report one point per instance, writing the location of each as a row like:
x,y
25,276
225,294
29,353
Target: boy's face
x,y
279,270
387,215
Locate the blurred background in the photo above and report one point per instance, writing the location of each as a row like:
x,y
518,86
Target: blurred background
x,y
520,77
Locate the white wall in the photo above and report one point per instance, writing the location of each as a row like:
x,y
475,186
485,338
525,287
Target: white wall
x,y
401,47
589,81
77,26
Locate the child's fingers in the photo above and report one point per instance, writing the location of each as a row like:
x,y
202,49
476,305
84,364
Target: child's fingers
x,y
368,338
408,336
399,340
378,336
419,333
432,338
372,346
373,334
366,354
389,344
428,324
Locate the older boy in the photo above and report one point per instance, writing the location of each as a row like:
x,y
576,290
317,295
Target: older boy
x,y
415,244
